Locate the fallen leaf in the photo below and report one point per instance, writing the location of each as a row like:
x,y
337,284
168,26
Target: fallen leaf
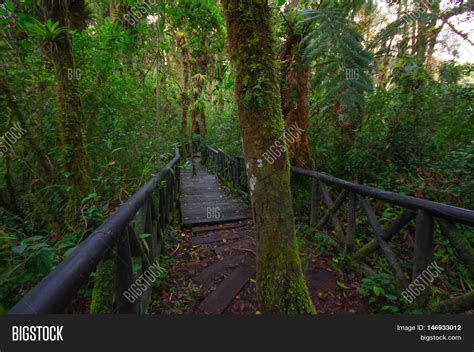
x,y
323,295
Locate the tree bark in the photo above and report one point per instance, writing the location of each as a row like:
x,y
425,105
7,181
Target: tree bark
x,y
33,142
181,44
71,119
252,46
78,15
295,100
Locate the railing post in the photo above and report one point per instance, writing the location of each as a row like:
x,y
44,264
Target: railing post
x,y
221,154
314,213
221,162
351,223
423,255
178,181
237,173
166,199
123,263
161,207
150,229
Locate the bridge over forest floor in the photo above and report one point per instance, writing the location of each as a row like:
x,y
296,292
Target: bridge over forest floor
x,y
215,263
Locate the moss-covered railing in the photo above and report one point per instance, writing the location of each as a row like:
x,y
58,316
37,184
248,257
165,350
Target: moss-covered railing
x,y
132,234
424,212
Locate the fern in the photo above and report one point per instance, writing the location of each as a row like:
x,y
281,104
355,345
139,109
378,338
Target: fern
x,y
47,31
333,48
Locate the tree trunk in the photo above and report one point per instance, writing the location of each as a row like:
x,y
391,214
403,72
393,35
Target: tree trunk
x,y
281,287
78,14
295,101
181,44
33,142
71,119
202,125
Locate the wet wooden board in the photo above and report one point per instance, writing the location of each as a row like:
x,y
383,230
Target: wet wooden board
x,y
218,267
217,237
219,227
194,222
248,243
223,295
204,200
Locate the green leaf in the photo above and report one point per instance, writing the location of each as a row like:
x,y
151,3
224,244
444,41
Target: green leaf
x,y
378,290
33,239
390,309
18,249
10,6
39,246
89,197
391,297
342,285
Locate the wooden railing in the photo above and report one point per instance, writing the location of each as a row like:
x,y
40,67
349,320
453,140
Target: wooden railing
x,y
230,168
149,211
424,212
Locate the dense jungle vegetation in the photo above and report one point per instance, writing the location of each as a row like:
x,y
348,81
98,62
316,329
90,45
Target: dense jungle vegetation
x,y
95,96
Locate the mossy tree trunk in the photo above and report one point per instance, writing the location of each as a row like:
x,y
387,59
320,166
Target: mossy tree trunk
x,y
33,143
71,120
78,14
295,99
185,56
198,123
103,292
252,46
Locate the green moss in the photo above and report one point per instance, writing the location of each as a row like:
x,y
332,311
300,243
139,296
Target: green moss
x,y
102,294
283,289
253,50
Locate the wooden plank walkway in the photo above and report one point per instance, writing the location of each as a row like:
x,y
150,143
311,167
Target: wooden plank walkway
x,y
205,201
218,219
216,269
226,276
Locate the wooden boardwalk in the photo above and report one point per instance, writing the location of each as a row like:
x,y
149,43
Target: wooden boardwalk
x,y
204,200
222,236
217,256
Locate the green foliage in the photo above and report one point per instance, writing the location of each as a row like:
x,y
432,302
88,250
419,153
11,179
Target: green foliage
x,y
342,63
381,290
24,260
324,244
47,31
414,142
412,134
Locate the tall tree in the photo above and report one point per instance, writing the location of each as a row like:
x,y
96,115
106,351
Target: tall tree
x,y
334,47
181,44
252,46
295,93
295,90
70,112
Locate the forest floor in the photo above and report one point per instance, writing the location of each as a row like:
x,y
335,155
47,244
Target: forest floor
x,y
214,273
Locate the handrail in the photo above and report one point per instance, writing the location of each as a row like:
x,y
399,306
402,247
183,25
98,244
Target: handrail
x,y
424,211
444,211
55,291
441,210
